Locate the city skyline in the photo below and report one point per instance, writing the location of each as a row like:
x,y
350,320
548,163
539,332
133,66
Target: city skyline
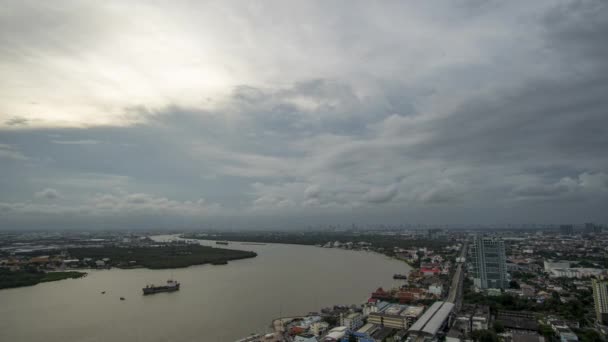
x,y
128,115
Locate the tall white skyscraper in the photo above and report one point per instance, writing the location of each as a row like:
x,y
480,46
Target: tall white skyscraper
x,y
489,263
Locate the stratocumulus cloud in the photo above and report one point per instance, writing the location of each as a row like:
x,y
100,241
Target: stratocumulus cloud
x,y
213,114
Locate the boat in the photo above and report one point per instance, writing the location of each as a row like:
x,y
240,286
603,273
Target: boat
x,y
122,298
219,262
171,286
221,242
399,276
103,292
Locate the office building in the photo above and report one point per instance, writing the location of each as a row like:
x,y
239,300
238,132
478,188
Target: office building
x,y
489,263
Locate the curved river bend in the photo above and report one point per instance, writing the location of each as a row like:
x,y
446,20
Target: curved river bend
x,y
216,303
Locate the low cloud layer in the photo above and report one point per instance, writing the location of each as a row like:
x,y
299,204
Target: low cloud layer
x,y
409,113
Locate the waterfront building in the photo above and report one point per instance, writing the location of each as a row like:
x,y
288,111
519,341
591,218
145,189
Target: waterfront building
x,y
319,328
305,338
396,316
489,263
352,321
600,298
335,334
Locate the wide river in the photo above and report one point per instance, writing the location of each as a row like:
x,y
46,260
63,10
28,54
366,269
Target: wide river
x,y
215,303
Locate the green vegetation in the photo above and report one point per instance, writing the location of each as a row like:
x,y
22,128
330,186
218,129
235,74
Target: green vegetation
x,y
588,335
513,284
546,331
499,327
523,276
9,279
171,256
484,336
574,309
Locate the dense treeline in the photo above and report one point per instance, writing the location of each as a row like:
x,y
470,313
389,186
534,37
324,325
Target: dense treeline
x,y
9,279
574,309
172,256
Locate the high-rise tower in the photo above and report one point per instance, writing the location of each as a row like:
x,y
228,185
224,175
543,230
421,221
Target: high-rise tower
x,y
489,263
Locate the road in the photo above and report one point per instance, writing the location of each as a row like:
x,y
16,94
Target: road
x,y
455,293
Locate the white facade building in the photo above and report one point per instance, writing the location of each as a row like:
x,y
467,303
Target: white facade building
x,y
352,321
436,289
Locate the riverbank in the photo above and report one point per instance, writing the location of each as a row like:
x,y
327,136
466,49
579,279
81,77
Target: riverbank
x,y
11,279
381,245
171,256
282,280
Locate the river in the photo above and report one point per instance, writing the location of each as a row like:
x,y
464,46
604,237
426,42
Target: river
x,y
215,303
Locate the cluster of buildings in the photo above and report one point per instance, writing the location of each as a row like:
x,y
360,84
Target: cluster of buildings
x,y
348,245
48,251
567,265
54,262
373,321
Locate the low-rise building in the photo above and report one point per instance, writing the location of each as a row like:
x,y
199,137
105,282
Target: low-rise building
x,y
319,328
391,321
436,289
335,334
517,320
527,290
352,321
396,316
305,338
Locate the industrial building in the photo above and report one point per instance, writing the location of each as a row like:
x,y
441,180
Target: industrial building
x,y
396,316
433,320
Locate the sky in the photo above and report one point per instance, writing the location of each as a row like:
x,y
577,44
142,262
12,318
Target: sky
x,y
289,114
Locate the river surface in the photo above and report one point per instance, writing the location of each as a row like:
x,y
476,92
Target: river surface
x,y
215,303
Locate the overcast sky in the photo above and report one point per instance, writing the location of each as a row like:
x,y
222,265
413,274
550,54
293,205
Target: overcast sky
x,y
172,114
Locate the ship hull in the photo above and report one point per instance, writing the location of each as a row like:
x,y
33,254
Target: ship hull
x,y
158,289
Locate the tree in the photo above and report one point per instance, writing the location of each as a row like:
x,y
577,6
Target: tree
x,y
546,331
499,327
514,284
420,254
589,335
484,336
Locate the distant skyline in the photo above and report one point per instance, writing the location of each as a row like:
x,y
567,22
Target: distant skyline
x,y
126,114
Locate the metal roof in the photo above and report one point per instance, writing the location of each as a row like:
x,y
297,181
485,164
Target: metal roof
x,y
433,318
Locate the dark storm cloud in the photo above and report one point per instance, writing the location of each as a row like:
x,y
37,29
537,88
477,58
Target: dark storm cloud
x,y
578,29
